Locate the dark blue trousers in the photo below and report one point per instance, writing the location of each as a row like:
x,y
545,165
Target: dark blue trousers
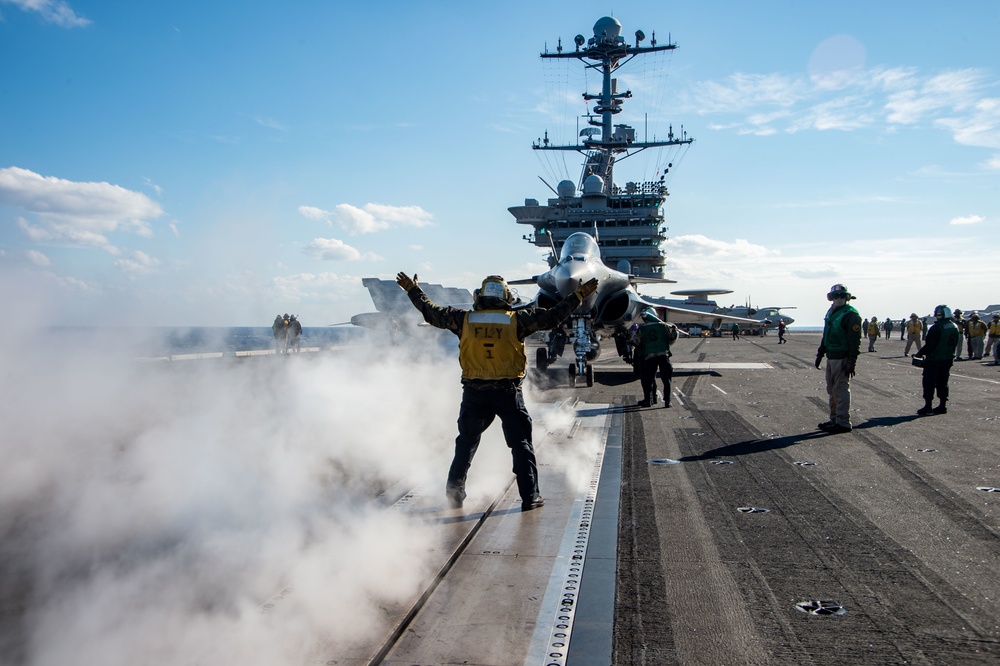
x,y
935,379
479,409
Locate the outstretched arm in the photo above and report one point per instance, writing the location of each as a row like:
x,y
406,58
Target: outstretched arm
x,y
530,321
436,315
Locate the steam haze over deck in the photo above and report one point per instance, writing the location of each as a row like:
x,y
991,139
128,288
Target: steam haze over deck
x,y
189,165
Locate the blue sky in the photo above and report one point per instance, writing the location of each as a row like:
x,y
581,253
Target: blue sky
x,y
216,163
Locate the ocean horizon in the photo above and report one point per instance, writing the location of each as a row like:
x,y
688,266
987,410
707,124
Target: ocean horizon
x,y
157,341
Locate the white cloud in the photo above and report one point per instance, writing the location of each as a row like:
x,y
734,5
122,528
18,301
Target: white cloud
x,y
52,11
698,245
76,213
137,264
370,218
852,98
153,186
270,123
332,249
320,286
37,258
313,213
67,235
969,219
740,92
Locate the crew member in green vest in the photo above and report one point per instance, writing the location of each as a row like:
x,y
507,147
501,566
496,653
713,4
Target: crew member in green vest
x,y
653,351
492,355
942,338
841,344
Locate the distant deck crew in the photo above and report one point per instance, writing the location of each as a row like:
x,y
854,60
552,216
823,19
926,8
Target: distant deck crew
x,y
841,344
781,332
294,333
280,329
937,351
653,352
735,328
873,333
994,334
976,331
960,322
914,333
492,355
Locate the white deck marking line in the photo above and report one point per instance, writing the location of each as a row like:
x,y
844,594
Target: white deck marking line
x,y
719,390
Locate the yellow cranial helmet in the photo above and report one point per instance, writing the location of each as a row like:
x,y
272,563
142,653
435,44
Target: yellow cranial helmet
x,y
495,286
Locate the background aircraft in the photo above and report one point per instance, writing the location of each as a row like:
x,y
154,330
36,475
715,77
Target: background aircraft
x,y
772,314
395,313
613,308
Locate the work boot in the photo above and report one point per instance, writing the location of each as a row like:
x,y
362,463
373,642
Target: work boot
x,y
643,403
532,503
940,409
826,425
925,410
456,496
836,429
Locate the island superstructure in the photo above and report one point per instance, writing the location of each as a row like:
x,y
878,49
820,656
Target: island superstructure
x,y
628,219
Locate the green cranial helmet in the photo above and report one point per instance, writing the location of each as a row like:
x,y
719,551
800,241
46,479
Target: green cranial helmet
x,y
649,315
942,312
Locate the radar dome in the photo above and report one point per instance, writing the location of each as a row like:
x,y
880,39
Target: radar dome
x,y
594,184
608,25
566,189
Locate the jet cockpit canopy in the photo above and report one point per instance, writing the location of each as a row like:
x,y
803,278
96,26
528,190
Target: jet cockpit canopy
x,y
579,247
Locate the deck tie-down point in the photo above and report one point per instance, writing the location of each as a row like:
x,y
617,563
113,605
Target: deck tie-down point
x,y
821,607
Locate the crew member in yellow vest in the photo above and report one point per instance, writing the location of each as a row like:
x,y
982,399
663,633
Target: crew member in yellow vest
x,y
976,330
492,355
914,333
994,334
873,333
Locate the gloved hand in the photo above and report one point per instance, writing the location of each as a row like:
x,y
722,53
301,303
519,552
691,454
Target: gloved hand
x,y
851,366
819,360
587,288
404,281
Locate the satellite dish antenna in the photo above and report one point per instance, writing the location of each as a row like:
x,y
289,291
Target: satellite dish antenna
x,y
639,36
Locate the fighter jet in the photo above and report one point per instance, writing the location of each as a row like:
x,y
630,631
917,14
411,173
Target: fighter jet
x,y
771,315
613,308
395,312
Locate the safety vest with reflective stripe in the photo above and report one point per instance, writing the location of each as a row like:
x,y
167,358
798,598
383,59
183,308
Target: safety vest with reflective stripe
x,y
489,347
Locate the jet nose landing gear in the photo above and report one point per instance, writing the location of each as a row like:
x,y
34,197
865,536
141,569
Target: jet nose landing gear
x,y
586,370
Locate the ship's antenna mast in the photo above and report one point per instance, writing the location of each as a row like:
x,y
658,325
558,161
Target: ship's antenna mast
x,y
606,51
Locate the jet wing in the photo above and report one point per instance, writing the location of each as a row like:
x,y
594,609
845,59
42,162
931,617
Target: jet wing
x,y
676,315
635,279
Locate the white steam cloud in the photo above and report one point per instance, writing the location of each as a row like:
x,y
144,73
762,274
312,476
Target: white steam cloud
x,y
150,512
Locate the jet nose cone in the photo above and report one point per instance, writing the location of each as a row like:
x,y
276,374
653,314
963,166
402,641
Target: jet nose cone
x,y
569,278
